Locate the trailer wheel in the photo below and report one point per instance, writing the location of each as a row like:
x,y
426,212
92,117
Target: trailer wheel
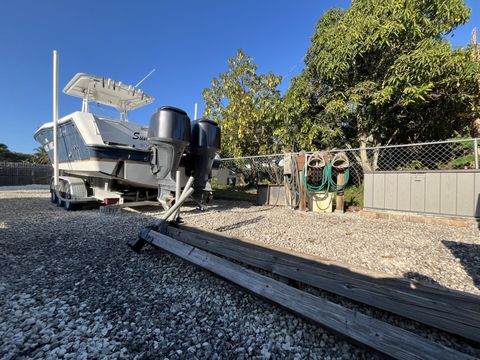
x,y
69,206
53,196
60,203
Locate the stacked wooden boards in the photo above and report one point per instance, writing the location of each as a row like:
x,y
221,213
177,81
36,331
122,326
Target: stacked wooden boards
x,y
451,311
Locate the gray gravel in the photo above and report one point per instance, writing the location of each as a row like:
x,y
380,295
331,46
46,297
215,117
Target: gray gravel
x,y
70,288
437,254
24,187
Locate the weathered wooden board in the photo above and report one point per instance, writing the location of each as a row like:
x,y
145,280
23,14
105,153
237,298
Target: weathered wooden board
x,y
452,311
378,335
138,204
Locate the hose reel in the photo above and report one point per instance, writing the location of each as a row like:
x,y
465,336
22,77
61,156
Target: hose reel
x,y
317,160
316,173
339,163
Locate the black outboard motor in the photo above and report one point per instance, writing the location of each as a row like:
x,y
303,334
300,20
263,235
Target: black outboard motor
x,y
204,144
169,135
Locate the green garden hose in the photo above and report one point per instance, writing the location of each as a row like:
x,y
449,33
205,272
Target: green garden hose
x,y
339,162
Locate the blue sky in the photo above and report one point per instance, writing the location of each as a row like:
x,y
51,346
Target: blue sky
x,y
188,42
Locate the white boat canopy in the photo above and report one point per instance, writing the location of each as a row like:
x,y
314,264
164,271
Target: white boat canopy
x,y
107,92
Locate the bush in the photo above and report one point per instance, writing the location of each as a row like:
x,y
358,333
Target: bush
x,y
353,196
414,165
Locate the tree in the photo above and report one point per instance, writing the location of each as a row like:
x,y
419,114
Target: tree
x,y
382,72
304,120
246,105
40,156
7,155
476,55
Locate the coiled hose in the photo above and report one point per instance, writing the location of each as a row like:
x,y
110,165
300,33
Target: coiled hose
x,y
318,160
340,163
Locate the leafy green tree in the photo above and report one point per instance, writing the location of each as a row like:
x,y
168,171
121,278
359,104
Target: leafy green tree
x,y
305,122
246,105
380,73
40,156
10,156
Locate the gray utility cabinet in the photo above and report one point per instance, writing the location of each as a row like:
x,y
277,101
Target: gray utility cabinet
x,y
441,192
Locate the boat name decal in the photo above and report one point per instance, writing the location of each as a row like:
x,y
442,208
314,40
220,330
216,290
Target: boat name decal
x,y
137,136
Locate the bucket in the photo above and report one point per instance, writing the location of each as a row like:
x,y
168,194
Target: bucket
x,y
321,202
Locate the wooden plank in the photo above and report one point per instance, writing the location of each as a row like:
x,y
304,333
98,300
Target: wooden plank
x,y
378,335
452,311
138,203
127,206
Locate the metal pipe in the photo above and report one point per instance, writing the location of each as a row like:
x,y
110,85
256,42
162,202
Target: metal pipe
x,y
188,185
177,205
178,190
181,199
475,152
196,108
55,118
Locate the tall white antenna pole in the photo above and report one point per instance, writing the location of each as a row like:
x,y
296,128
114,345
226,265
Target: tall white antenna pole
x,y
55,118
196,108
145,78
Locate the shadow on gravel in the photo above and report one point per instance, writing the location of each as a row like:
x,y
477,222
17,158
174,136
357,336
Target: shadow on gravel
x,y
232,206
412,275
229,205
477,212
239,224
469,256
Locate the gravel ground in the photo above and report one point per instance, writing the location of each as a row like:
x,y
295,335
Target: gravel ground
x,y
437,254
24,187
69,287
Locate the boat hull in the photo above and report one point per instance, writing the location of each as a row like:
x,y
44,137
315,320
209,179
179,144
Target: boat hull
x,y
124,163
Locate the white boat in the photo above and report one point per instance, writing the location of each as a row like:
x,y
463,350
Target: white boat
x,y
113,160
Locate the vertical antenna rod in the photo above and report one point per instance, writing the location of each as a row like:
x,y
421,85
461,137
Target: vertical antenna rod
x,y
55,118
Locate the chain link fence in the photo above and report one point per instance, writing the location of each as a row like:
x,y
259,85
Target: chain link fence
x,y
442,155
12,174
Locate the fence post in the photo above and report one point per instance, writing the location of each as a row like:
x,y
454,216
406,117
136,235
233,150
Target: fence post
x,y
475,150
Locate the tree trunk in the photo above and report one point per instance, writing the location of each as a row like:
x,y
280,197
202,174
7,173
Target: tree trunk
x,y
476,128
364,156
369,163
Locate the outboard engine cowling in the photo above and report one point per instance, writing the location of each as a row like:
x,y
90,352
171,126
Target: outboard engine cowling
x,y
169,134
204,144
